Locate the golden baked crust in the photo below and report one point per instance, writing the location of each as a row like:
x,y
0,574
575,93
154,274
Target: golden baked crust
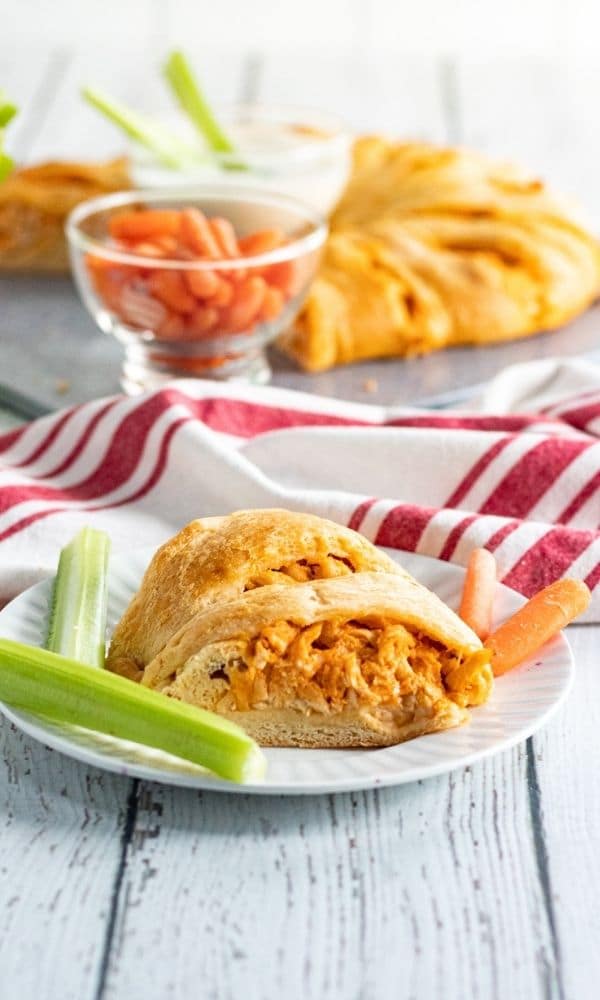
x,y
366,659
34,203
431,247
216,559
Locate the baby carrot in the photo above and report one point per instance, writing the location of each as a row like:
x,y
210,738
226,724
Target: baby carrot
x,y
168,244
282,276
144,225
478,592
139,309
196,233
147,248
536,622
172,327
223,295
224,234
202,321
272,304
244,309
170,288
260,242
109,284
202,284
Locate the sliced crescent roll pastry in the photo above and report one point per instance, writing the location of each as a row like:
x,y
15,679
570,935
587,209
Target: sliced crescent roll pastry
x,y
216,559
368,659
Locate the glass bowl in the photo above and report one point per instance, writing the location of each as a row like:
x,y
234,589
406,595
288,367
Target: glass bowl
x,y
296,151
178,312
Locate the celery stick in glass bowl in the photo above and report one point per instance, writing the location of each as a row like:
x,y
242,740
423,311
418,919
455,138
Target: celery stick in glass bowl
x,y
194,282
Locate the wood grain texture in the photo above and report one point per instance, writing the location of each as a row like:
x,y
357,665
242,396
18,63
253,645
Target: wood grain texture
x,y
60,828
567,760
432,887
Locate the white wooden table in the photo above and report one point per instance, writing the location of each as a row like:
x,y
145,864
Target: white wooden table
x,y
484,883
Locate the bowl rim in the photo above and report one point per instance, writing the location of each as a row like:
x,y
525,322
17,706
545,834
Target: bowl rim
x,y
338,134
289,251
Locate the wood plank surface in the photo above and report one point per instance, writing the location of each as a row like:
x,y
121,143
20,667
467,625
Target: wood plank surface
x,y
566,756
61,827
431,887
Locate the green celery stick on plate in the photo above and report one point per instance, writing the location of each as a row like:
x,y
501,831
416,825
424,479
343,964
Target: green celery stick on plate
x,y
79,599
46,684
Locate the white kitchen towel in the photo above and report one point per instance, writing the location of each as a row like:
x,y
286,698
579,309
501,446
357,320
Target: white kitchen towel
x,y
519,472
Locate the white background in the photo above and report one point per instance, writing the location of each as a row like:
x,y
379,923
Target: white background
x,y
549,27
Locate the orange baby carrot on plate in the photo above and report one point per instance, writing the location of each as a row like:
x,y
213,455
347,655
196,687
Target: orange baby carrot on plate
x,y
144,225
170,288
196,233
479,588
536,622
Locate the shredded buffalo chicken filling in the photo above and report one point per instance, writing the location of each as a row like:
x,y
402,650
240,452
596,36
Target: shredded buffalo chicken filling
x,y
329,666
303,570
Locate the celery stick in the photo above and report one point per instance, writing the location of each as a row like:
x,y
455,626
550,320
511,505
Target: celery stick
x,y
7,110
166,146
7,113
6,165
179,75
78,612
38,681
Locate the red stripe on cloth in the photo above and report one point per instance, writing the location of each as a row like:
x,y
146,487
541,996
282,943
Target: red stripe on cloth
x,y
548,559
531,476
403,526
485,422
247,420
360,513
498,537
593,579
150,482
241,418
120,459
578,501
455,536
244,419
475,472
50,437
567,402
581,416
83,440
11,437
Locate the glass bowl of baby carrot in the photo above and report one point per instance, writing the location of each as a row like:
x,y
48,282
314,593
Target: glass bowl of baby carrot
x,y
194,283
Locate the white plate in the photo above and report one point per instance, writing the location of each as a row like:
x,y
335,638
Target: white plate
x,y
521,702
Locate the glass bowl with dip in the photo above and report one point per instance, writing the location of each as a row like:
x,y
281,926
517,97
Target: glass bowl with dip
x,y
299,152
194,282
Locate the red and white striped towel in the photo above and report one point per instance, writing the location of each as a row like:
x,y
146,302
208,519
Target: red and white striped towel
x,y
525,484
